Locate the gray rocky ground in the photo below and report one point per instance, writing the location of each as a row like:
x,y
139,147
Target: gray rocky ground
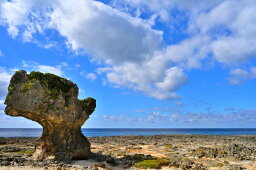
x,y
142,152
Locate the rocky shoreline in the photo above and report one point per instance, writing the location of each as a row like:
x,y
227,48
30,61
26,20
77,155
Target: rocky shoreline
x,y
198,152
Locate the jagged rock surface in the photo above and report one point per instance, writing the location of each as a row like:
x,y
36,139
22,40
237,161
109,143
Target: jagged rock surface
x,y
52,102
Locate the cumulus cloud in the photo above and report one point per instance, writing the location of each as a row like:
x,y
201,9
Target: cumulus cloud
x,y
129,45
105,33
162,8
21,18
235,43
116,118
238,75
33,66
50,69
101,31
190,52
91,76
123,42
228,25
153,78
135,54
243,117
2,106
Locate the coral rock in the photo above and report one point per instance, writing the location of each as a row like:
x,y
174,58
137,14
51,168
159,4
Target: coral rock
x,y
52,102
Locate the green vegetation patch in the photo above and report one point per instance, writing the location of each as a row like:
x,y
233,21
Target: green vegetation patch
x,y
10,89
168,146
219,165
85,104
28,85
109,153
152,164
121,154
53,83
163,162
25,152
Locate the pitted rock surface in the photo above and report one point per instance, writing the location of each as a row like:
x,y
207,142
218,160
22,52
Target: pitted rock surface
x,y
53,102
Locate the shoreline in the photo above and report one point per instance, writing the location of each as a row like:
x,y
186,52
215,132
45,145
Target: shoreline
x,y
121,136
97,132
138,152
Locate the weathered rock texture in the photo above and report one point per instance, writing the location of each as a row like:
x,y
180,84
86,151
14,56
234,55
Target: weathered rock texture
x,y
52,102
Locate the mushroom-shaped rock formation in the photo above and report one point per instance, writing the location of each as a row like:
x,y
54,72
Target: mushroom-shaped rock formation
x,y
52,102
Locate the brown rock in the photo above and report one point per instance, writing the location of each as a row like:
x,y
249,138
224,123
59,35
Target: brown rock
x,y
52,102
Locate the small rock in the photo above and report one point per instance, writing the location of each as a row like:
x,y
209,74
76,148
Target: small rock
x,y
186,164
199,167
2,142
10,149
5,163
111,161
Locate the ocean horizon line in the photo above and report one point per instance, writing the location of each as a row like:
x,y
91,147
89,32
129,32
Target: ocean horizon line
x,y
143,128
93,132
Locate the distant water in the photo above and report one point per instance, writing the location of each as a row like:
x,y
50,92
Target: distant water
x,y
30,132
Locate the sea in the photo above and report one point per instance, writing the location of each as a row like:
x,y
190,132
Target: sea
x,y
93,132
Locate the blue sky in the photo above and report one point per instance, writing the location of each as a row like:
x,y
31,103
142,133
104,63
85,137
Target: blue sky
x,y
149,64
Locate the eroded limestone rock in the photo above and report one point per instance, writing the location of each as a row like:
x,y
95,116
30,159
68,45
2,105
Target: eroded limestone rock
x,y
52,102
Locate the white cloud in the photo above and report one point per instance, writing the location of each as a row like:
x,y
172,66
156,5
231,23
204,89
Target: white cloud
x,y
2,106
235,117
163,8
91,76
190,52
238,75
48,45
101,31
50,69
105,33
33,66
168,84
128,45
116,118
4,81
238,21
1,53
136,54
14,15
230,26
243,117
19,18
153,77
